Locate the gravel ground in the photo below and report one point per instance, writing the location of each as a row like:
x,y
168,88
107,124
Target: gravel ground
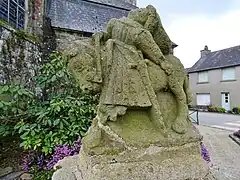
x,y
224,152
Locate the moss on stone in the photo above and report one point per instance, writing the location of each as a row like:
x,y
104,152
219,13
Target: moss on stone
x,y
143,88
20,33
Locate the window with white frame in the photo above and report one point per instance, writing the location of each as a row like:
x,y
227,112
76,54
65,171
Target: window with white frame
x,y
203,77
13,11
228,74
203,99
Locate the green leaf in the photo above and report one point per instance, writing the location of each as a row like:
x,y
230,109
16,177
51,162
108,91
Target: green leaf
x,y
1,104
58,108
53,78
20,130
56,122
49,122
20,92
24,135
5,88
66,122
22,144
61,125
33,133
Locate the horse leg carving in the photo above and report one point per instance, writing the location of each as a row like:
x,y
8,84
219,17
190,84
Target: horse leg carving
x,y
187,90
180,124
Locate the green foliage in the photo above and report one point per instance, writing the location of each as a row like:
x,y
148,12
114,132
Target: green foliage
x,y
236,110
216,109
14,100
58,115
60,121
40,174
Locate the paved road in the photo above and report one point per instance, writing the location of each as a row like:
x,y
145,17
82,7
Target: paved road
x,y
223,151
222,121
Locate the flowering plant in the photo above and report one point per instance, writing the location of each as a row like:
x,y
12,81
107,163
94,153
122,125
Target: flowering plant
x,y
60,152
205,154
63,151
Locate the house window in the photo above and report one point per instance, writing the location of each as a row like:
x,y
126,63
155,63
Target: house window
x,y
13,11
203,99
228,74
203,77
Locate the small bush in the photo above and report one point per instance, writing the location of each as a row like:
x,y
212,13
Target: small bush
x,y
60,114
236,110
63,113
222,110
14,102
216,109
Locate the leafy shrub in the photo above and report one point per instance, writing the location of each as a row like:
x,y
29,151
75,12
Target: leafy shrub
x,y
216,109
63,113
59,114
236,110
222,110
14,101
56,123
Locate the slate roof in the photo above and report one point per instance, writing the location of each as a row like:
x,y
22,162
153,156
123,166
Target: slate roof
x,y
116,3
218,59
187,70
85,15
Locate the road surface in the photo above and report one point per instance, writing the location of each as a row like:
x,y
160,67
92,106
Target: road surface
x,y
223,121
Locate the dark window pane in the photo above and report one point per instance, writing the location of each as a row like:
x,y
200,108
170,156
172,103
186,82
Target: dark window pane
x,y
21,3
4,10
20,18
13,12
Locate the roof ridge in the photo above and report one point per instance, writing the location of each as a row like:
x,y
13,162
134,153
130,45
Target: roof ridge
x,y
224,49
218,59
111,5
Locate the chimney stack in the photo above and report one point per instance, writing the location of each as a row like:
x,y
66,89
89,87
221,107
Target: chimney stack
x,y
205,51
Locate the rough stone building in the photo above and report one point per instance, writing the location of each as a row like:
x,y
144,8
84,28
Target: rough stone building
x,y
56,22
68,18
59,22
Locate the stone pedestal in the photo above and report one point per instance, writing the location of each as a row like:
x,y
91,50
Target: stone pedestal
x,y
152,163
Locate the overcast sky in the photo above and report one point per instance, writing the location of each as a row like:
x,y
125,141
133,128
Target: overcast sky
x,y
192,24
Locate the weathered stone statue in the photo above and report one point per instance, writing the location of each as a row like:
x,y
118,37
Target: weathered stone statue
x,y
142,129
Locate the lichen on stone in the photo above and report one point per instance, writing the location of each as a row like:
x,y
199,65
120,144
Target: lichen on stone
x,y
131,65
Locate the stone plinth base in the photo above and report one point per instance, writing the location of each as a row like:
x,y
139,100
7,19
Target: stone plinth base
x,y
152,163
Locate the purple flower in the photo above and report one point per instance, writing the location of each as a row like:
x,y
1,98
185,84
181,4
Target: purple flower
x,y
205,153
27,161
63,151
40,160
60,152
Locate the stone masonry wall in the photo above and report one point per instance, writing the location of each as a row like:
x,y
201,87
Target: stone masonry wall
x,y
19,58
63,38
